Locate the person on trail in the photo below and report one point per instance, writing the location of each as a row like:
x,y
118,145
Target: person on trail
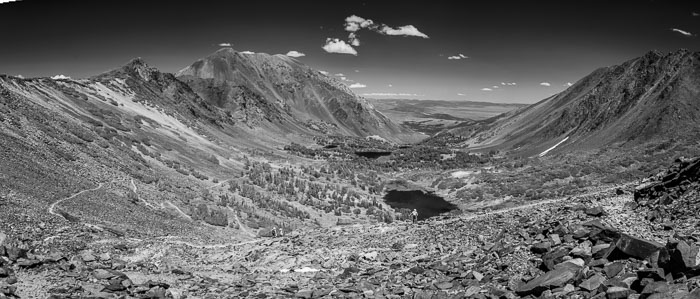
x,y
274,232
414,215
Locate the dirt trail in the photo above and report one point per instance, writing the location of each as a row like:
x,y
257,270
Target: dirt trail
x,y
133,186
178,210
531,205
52,207
213,246
240,225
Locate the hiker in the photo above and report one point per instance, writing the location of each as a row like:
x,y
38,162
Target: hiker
x,y
274,232
414,215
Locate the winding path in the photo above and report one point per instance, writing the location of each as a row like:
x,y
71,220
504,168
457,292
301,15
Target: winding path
x,y
534,204
240,225
178,210
52,207
223,245
133,185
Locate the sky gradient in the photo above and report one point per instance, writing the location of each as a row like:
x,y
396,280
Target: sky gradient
x,y
522,42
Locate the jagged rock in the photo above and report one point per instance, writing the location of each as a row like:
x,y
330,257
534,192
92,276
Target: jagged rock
x,y
552,279
550,259
14,253
612,269
596,211
635,247
617,292
87,257
28,263
592,283
308,294
541,247
619,191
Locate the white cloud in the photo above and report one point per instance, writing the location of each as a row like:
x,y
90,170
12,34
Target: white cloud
x,y
503,83
357,85
224,44
20,76
389,94
247,52
339,74
295,54
334,45
357,71
390,85
486,89
60,77
355,23
545,84
686,33
461,94
323,72
568,84
408,30
344,78
457,57
354,41
511,84
7,1
494,87
695,14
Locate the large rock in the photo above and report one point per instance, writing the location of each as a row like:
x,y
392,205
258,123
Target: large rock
x,y
629,246
559,277
592,283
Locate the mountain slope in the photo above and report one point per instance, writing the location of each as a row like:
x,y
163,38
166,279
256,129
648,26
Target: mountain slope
x,y
285,96
650,98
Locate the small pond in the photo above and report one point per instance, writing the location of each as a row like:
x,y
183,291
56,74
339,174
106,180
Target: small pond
x,y
372,155
427,204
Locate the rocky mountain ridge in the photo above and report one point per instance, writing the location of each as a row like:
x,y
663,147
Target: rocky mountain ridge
x,y
650,98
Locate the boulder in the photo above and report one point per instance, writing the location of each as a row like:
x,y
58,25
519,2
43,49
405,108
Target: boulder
x,y
553,279
541,247
618,292
550,259
592,283
629,246
612,269
596,211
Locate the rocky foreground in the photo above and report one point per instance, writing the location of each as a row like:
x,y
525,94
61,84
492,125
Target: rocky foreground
x,y
594,246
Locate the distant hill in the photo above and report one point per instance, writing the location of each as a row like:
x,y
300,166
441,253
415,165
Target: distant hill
x,y
284,96
655,97
433,116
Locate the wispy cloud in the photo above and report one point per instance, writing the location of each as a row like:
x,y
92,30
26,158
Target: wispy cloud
x,y
295,54
224,44
323,72
511,83
494,87
334,45
486,89
546,84
339,74
568,84
357,85
461,94
458,57
686,33
60,77
354,24
390,94
408,30
695,14
247,52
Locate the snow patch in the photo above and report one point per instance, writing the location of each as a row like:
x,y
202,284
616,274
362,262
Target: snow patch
x,y
306,270
553,147
460,174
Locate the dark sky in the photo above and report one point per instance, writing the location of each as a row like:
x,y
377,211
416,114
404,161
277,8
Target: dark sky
x,y
521,42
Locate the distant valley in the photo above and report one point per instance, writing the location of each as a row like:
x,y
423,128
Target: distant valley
x,y
431,116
